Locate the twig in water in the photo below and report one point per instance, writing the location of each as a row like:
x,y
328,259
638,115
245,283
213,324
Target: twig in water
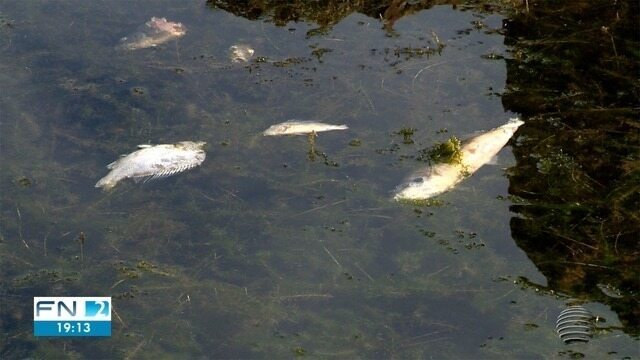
x,y
302,296
332,257
132,353
117,283
557,233
366,96
364,272
119,318
20,228
439,44
605,29
413,339
415,77
375,216
311,138
321,207
228,192
267,37
437,271
505,294
426,341
44,242
177,52
586,264
81,239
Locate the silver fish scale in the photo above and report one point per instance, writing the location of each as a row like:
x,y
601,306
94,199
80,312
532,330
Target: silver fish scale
x,y
154,162
301,127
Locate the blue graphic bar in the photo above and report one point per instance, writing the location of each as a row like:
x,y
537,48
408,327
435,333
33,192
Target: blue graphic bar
x,y
72,328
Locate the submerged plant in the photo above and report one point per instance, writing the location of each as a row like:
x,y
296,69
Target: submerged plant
x,y
407,133
422,202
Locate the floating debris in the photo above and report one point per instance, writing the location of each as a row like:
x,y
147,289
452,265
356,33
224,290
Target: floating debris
x,y
575,323
301,127
153,33
610,290
475,152
240,53
154,162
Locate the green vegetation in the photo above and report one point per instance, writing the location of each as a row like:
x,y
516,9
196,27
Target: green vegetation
x,y
447,152
406,133
422,202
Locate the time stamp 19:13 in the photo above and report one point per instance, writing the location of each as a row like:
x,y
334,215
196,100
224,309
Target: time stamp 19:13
x,y
71,316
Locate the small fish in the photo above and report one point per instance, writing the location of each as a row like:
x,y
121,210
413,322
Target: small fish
x,y
240,53
153,33
300,127
475,152
610,290
154,162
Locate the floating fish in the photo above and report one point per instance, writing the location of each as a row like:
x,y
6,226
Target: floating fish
x,y
610,290
240,53
475,152
154,162
153,33
301,127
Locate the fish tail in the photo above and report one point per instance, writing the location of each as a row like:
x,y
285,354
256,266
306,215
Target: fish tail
x,y
515,121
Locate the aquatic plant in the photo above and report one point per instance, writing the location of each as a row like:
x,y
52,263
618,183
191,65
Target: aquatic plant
x,y
407,133
448,151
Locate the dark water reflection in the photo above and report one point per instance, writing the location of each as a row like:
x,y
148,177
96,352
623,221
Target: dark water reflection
x,y
575,82
261,252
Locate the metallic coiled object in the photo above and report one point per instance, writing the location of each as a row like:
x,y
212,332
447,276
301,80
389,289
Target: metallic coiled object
x,y
575,323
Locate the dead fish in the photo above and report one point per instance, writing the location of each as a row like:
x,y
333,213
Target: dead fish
x,y
610,290
154,162
153,33
475,152
240,53
301,127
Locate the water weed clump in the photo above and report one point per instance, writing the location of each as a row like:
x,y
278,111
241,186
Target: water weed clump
x,y
448,151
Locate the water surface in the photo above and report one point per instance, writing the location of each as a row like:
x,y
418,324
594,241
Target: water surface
x,y
265,250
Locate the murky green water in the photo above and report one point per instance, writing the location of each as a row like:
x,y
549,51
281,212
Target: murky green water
x,y
264,252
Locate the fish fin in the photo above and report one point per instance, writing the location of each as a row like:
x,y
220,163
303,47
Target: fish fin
x,y
162,174
113,164
159,176
147,178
